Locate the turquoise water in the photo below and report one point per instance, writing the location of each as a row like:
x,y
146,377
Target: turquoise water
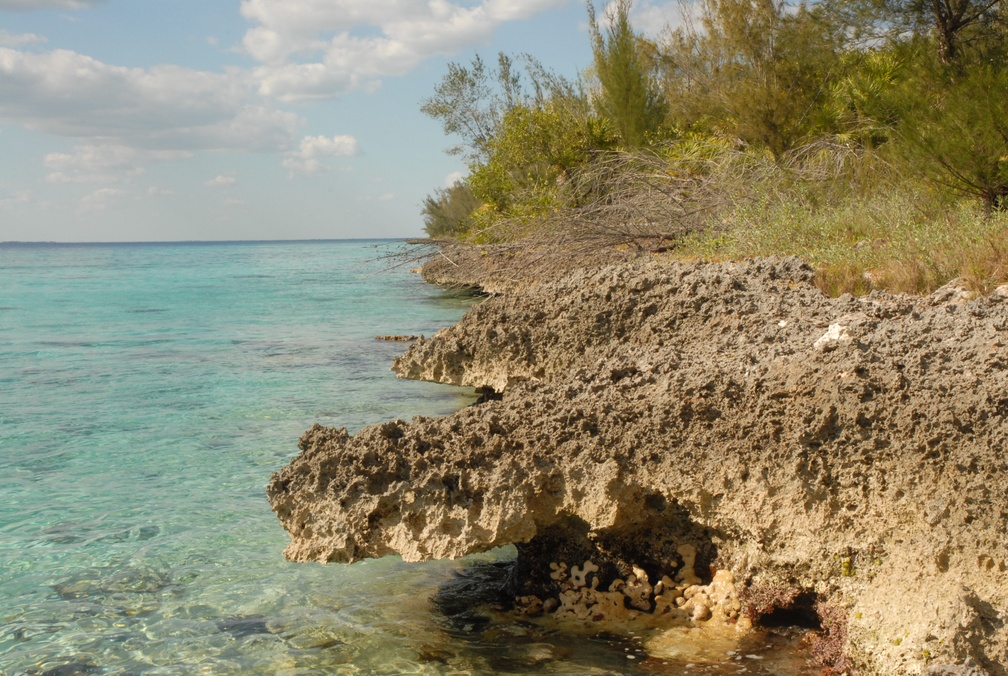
x,y
146,394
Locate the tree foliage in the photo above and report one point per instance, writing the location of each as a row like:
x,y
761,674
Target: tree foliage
x,y
951,26
919,87
531,159
860,105
955,126
628,94
470,102
523,133
448,213
754,69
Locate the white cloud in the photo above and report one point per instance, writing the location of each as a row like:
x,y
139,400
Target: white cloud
x,y
307,160
221,181
158,191
8,39
104,163
453,178
652,18
383,197
324,146
317,49
167,107
100,200
46,4
14,200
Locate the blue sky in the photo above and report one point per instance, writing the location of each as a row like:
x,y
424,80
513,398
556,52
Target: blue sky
x,y
153,120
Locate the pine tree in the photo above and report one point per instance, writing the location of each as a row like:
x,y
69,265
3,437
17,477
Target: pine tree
x,y
628,95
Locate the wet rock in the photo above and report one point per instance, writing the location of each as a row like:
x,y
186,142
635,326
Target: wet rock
x,y
102,583
148,533
80,668
967,668
241,626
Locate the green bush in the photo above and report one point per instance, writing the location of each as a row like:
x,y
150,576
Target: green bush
x,y
531,157
448,213
955,127
753,69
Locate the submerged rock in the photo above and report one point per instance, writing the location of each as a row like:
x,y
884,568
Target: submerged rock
x,y
646,406
241,626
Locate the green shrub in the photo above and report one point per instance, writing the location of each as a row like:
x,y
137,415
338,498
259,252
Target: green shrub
x,y
531,158
955,128
448,213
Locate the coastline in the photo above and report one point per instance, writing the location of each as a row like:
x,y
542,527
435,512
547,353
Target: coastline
x,y
834,455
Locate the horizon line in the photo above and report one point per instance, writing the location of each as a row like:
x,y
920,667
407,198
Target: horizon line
x,y
204,241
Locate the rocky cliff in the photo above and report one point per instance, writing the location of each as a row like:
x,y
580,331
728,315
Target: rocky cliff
x,y
844,459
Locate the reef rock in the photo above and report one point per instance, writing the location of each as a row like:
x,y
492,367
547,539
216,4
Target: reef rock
x,y
655,413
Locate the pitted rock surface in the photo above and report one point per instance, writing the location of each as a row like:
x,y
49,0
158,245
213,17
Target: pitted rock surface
x,y
855,446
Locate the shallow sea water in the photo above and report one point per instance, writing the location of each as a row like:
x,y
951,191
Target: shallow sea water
x,y
146,394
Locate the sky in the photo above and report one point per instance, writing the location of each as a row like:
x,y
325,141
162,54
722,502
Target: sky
x,y
167,120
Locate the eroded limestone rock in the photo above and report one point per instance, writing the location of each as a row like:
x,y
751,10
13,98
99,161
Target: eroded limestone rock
x,y
648,405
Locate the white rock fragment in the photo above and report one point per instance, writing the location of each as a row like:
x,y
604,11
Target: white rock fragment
x,y
665,585
952,293
572,604
666,594
835,336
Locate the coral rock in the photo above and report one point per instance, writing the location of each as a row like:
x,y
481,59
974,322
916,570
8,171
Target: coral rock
x,y
644,405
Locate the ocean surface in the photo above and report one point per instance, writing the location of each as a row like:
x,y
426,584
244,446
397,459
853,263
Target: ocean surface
x,y
147,392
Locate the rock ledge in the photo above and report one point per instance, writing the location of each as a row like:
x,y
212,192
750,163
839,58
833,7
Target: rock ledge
x,y
851,450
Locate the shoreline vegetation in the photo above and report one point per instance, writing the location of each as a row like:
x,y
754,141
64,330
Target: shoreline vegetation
x,y
867,137
744,356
